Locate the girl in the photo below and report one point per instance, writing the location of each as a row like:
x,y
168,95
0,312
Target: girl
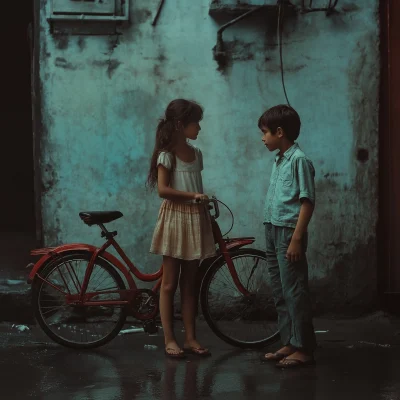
x,y
183,233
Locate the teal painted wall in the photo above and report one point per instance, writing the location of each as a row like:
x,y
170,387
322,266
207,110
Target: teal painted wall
x,y
102,96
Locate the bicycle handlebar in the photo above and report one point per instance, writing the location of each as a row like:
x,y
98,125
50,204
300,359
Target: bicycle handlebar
x,y
213,200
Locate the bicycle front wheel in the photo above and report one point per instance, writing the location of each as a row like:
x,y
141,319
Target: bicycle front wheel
x,y
242,321
77,326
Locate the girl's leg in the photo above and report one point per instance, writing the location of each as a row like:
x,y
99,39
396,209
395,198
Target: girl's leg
x,y
189,303
167,292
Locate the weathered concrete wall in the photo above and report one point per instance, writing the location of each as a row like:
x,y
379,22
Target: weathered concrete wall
x,y
102,96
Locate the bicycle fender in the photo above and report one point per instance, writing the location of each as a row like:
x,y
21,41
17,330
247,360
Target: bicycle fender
x,y
52,253
234,244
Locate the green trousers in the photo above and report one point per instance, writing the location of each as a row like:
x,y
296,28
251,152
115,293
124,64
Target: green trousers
x,y
289,281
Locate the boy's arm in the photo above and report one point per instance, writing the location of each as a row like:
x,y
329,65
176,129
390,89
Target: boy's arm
x,y
306,212
307,198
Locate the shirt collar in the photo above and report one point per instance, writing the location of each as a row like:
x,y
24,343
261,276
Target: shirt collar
x,y
288,153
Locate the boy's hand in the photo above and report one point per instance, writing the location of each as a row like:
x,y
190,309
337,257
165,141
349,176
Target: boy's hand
x,y
295,250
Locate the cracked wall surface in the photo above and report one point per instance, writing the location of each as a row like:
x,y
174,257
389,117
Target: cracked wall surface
x,y
102,96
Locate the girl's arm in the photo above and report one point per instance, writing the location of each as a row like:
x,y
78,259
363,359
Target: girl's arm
x,y
166,192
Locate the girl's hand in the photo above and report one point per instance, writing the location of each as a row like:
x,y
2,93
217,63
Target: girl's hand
x,y
200,198
295,251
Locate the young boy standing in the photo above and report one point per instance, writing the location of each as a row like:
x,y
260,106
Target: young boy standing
x,y
288,210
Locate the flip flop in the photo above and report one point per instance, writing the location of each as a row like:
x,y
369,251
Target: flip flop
x,y
197,351
175,355
294,363
275,357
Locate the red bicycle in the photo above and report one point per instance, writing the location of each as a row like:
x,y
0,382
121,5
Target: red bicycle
x,y
81,300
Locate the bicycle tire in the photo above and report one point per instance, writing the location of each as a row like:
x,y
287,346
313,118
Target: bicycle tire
x,y
38,284
206,309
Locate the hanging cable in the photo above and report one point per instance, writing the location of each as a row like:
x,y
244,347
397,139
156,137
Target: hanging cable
x,y
280,31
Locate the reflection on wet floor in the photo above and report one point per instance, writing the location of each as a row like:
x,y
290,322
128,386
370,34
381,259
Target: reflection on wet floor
x,y
127,370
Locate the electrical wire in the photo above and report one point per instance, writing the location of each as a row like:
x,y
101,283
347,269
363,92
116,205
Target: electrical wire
x,y
280,31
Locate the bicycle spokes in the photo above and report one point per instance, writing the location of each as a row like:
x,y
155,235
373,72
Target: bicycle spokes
x,y
242,318
65,316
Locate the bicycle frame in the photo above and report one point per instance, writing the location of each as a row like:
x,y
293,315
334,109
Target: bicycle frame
x,y
83,298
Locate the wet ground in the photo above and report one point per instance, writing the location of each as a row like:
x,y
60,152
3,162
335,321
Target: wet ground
x,y
354,361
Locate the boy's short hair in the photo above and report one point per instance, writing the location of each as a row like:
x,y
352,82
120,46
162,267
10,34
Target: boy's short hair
x,y
282,116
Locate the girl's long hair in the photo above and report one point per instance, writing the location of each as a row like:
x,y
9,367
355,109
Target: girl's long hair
x,y
178,115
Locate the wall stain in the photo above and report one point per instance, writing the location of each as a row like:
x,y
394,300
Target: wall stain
x,y
158,69
113,43
61,62
61,41
349,7
333,174
112,65
81,43
49,177
142,15
348,287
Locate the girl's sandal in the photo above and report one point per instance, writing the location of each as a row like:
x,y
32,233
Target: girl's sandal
x,y
197,351
172,353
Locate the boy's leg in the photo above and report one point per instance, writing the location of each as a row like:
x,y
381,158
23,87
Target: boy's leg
x,y
284,322
294,276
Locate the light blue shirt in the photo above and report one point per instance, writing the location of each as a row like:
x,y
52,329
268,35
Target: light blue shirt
x,y
292,179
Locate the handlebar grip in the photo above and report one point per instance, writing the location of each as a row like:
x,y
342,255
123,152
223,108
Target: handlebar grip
x,y
214,201
216,207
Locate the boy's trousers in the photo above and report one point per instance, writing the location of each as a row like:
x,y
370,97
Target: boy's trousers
x,y
289,281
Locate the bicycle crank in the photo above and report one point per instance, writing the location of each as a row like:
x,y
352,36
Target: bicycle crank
x,y
144,305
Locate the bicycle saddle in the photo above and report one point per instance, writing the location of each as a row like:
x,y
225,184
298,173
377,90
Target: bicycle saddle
x,y
99,217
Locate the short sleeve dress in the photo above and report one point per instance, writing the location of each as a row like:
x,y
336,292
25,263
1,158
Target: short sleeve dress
x,y
183,229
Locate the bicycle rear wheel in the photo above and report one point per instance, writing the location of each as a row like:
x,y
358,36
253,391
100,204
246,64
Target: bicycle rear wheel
x,y
75,326
242,321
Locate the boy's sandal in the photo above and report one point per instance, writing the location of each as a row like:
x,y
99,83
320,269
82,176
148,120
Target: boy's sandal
x,y
172,353
198,351
273,357
294,363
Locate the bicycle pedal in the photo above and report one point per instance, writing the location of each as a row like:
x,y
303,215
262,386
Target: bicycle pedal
x,y
150,327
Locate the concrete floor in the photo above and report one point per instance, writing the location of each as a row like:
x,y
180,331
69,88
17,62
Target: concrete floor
x,y
356,359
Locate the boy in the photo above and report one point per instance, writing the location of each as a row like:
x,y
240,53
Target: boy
x,y
288,209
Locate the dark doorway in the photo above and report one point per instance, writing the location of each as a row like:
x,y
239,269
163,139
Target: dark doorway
x,y
389,262
17,222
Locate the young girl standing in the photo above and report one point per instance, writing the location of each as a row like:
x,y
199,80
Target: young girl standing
x,y
183,233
